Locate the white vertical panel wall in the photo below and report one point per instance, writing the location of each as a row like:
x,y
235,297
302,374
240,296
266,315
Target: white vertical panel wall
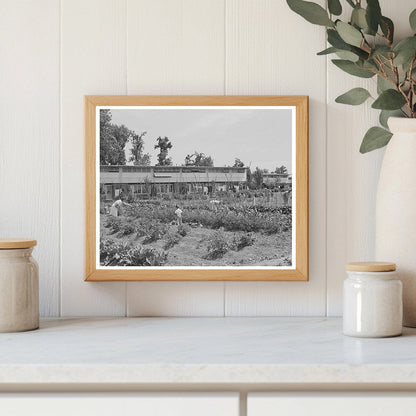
x,y
263,57
93,61
352,178
185,56
56,51
29,135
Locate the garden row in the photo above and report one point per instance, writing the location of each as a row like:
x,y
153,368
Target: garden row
x,y
117,253
246,219
261,205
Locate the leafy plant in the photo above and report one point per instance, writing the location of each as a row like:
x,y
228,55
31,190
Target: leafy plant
x,y
183,230
126,228
115,253
155,231
171,239
217,245
244,240
366,48
113,224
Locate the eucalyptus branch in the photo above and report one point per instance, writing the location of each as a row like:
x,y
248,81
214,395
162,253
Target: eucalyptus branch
x,y
385,75
405,96
368,50
411,82
366,43
395,71
381,65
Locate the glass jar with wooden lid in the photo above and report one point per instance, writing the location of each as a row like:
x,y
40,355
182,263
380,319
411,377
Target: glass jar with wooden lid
x,y
372,300
19,286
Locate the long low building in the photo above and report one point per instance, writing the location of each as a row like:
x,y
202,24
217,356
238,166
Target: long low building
x,y
274,179
156,180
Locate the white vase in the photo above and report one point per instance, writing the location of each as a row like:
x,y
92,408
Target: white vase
x,y
396,210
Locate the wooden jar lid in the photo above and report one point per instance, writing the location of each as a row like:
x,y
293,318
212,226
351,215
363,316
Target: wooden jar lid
x,y
12,243
371,266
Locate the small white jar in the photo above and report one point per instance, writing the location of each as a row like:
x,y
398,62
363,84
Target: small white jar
x,y
372,300
19,286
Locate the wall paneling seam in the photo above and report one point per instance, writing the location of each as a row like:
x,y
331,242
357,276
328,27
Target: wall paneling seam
x,y
59,311
126,5
326,180
224,292
225,49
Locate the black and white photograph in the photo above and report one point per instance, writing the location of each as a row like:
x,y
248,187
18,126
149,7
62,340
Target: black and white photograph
x,y
195,187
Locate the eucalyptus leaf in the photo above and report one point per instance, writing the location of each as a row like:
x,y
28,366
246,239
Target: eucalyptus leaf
x,y
389,100
311,12
373,15
356,96
412,20
358,18
360,52
405,50
371,64
352,68
386,114
381,50
347,55
349,34
405,43
327,51
350,56
335,40
375,138
334,7
383,84
389,72
387,27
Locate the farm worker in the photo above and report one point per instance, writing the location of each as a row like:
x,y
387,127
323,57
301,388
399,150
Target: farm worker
x,y
215,203
178,213
115,208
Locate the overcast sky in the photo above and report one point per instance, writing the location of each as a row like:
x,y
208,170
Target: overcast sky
x,y
259,137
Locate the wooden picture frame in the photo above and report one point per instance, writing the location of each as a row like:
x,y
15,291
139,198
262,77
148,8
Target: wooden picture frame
x,y
297,272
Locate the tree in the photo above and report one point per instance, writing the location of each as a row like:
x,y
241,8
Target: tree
x,y
138,157
238,163
249,178
163,144
198,159
105,120
258,178
282,169
113,139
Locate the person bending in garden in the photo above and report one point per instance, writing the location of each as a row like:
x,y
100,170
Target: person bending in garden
x,y
115,209
178,214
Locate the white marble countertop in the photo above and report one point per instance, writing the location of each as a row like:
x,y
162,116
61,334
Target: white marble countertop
x,y
185,352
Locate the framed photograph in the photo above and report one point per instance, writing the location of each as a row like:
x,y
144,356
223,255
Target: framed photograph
x,y
196,188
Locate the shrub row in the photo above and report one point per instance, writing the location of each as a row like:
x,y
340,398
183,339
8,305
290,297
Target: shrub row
x,y
218,243
114,253
232,221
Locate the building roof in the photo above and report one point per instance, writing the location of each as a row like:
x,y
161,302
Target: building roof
x,y
172,168
171,174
